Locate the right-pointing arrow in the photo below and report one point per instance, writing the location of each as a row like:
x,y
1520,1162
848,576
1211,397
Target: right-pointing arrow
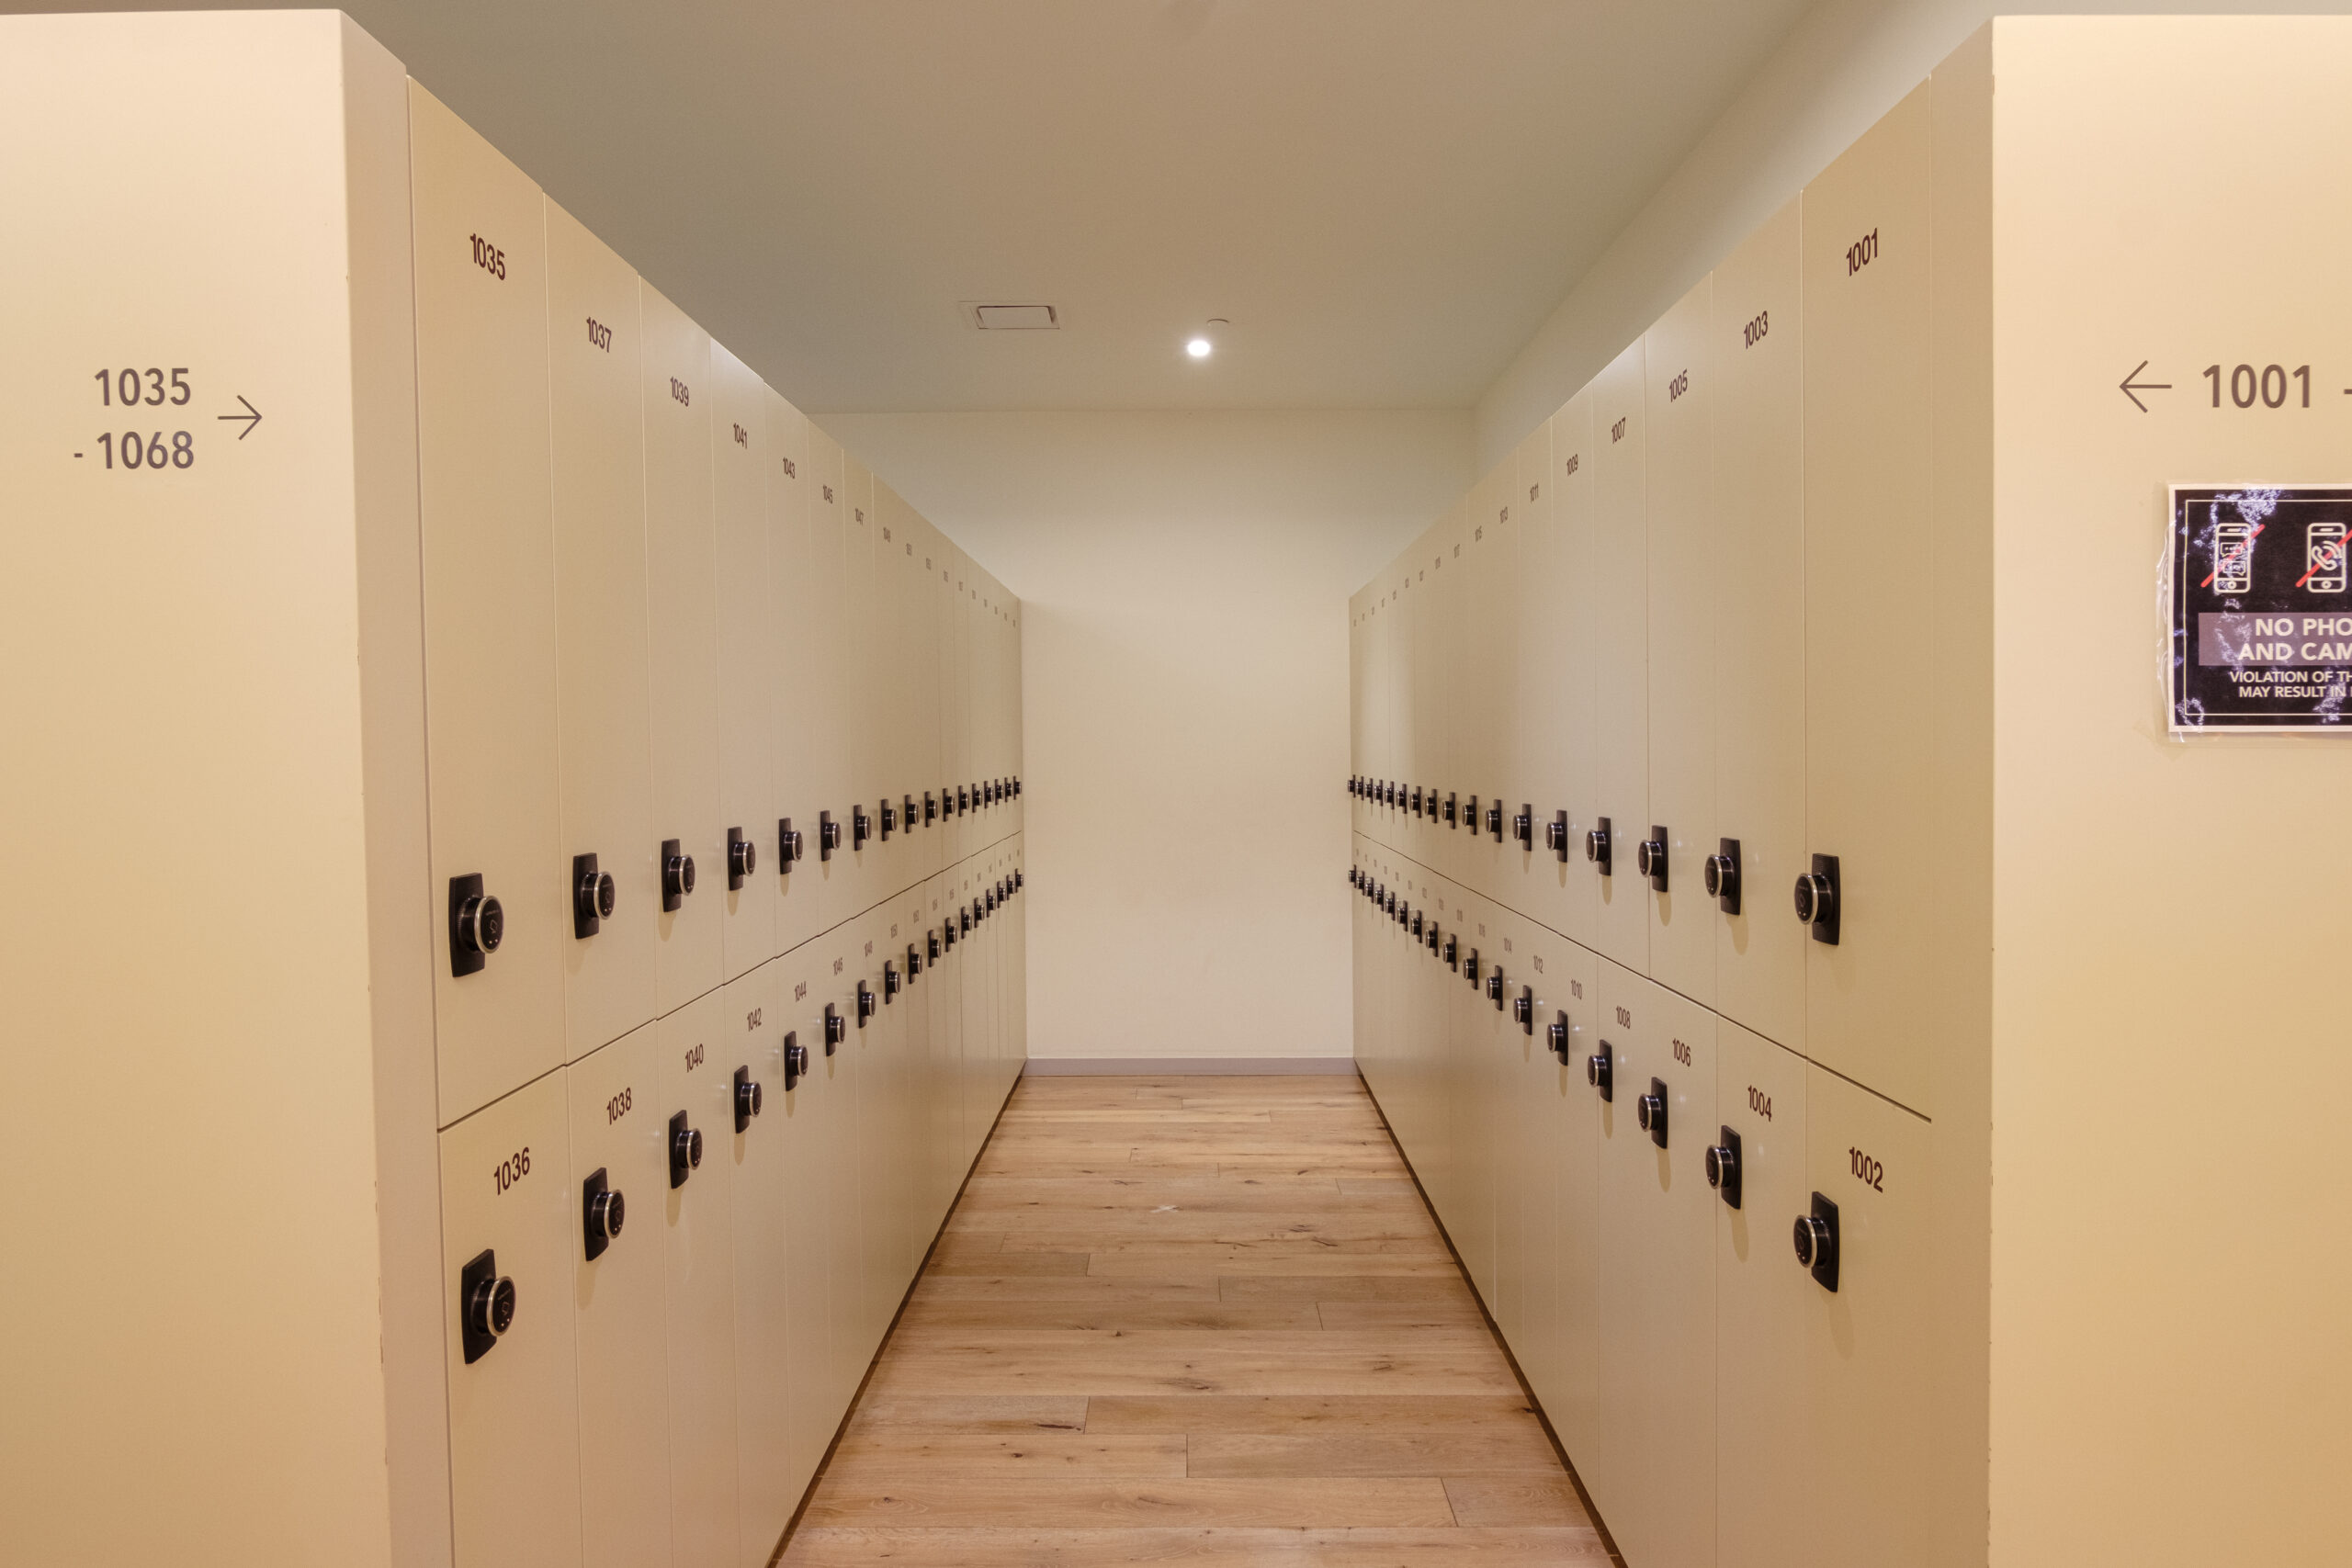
x,y
2133,388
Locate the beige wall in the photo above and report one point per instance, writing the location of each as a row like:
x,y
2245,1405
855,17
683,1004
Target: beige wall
x,y
1184,582
1839,70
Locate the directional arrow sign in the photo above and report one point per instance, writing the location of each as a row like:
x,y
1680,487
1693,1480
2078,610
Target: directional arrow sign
x,y
2133,388
252,416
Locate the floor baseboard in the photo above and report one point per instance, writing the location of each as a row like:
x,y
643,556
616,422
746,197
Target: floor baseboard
x,y
1188,1067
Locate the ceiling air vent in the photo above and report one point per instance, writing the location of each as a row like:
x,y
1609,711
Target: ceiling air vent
x,y
1014,318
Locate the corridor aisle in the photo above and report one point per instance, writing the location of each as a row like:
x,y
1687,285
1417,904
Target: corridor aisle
x,y
1200,1318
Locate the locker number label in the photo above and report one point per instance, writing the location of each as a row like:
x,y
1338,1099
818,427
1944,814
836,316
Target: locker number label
x,y
512,1169
1866,1171
1759,1102
617,1107
489,258
2260,601
694,1054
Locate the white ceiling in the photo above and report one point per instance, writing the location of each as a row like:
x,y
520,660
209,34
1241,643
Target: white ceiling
x,y
1385,197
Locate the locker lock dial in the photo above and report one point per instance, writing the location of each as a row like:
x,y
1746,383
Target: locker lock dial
x,y
1816,1238
486,1299
788,847
1649,858
1522,827
1555,1037
1449,809
907,812
749,1097
685,1149
796,1059
1651,1112
963,800
592,896
867,1004
743,858
829,835
1723,1168
931,945
1453,952
836,1028
889,979
1523,1009
477,925
677,875
889,819
1470,969
947,931
1722,875
1416,925
1595,845
914,961
601,1212
1495,987
1495,821
1817,898
1417,800
861,826
1432,936
930,808
1470,814
1556,834
1599,1071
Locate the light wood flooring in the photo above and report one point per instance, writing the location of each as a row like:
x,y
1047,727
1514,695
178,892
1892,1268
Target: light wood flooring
x,y
1204,1320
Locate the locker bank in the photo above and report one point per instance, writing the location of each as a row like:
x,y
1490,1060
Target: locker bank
x,y
1688,773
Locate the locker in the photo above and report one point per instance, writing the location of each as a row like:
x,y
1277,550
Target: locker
x,y
841,1084
822,636
1652,1469
1437,690
693,1077
751,637
680,558
486,515
792,712
1620,637
1680,536
507,1216
597,461
1538,607
619,1170
1758,413
1492,679
807,1111
1518,1071
882,1176
1563,648
927,712
1872,1422
920,1159
861,721
1563,1320
754,1015
888,695
1870,758
1474,1050
1763,1309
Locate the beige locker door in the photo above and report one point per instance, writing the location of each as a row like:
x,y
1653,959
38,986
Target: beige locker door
x,y
693,1070
1617,1251
922,1161
1681,537
750,639
790,713
1519,1067
929,710
882,1177
825,710
490,615
956,674
1869,1360
1758,356
1568,653
507,1215
807,1111
603,671
1620,633
1490,869
682,565
1870,754
1657,1289
1540,610
1764,1517
617,1148
1474,1057
1442,686
890,713
837,973
864,725
753,1018
1571,1171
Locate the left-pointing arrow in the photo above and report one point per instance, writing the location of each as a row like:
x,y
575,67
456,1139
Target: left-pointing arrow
x,y
2133,388
252,416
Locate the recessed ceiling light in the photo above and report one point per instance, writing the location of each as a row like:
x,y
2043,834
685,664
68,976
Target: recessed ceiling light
x,y
1199,348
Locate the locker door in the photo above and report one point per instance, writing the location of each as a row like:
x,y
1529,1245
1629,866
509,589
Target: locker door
x,y
825,720
863,721
1681,539
750,638
955,663
680,560
1571,1172
1870,1346
1760,648
692,1074
891,710
1492,685
507,1214
929,713
807,1111
837,972
1442,689
1474,1049
604,672
617,1148
1539,611
791,699
754,1015
882,1173
1620,633
490,616
1763,1517
1660,1383
1870,751
921,1160
1569,653
1519,1067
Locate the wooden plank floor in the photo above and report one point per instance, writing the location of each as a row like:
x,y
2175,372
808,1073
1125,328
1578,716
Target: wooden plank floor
x,y
1206,1320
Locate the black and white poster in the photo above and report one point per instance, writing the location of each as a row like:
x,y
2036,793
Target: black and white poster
x,y
2261,633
